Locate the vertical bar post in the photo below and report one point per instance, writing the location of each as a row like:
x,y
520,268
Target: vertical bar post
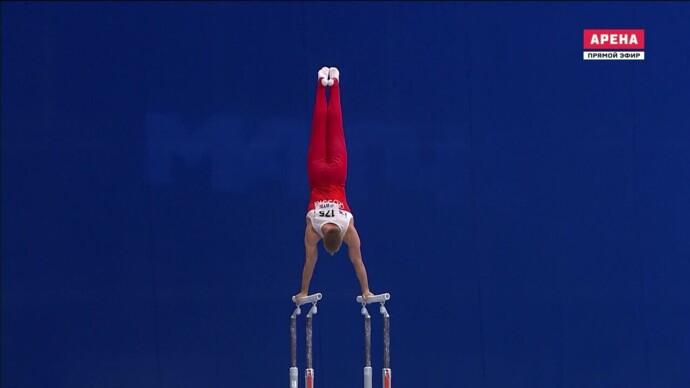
x,y
386,342
294,372
367,341
386,373
293,342
367,348
309,342
309,371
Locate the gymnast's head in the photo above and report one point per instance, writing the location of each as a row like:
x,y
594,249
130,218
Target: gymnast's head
x,y
331,238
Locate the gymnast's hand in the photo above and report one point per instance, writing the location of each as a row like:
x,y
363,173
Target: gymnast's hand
x,y
300,295
366,294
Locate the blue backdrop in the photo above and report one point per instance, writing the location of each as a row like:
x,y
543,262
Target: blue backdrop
x,y
529,211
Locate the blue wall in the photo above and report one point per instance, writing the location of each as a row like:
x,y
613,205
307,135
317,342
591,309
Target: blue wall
x,y
154,190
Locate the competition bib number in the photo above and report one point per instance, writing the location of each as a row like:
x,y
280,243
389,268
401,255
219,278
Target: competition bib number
x,y
327,210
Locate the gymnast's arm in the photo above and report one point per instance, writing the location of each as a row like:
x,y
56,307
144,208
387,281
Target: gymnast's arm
x,y
311,238
355,253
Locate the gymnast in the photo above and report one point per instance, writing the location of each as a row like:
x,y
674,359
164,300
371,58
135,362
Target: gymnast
x,y
328,215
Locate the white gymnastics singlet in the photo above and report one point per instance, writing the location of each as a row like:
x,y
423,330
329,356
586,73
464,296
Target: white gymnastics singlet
x,y
329,212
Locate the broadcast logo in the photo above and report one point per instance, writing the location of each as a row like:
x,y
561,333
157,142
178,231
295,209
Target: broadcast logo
x,y
613,44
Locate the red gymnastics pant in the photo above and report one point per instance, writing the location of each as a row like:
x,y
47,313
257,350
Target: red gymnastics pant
x,y
327,155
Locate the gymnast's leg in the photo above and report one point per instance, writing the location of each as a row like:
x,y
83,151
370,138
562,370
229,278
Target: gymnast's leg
x,y
335,136
317,153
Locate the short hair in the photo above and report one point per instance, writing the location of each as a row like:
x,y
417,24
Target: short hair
x,y
332,240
